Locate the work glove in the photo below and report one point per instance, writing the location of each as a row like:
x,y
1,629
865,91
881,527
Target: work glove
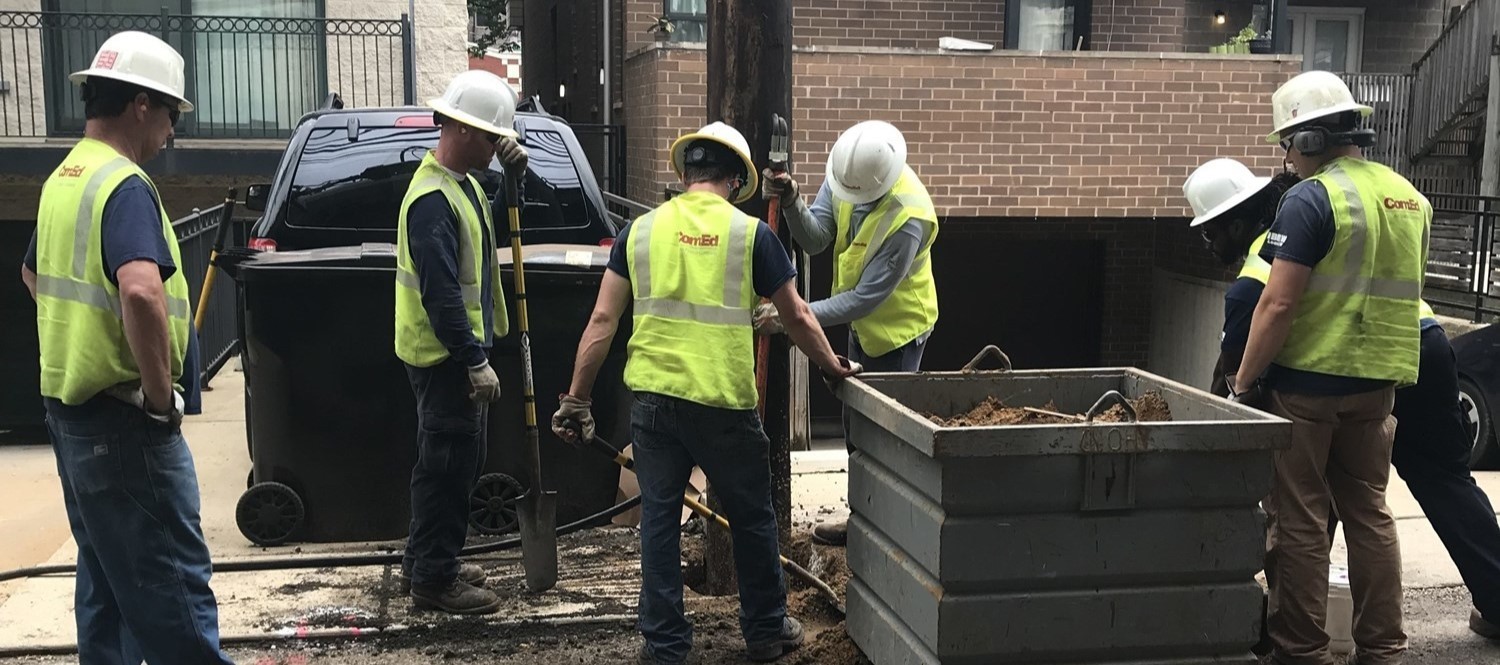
x,y
767,320
1253,396
847,368
136,397
574,420
512,155
484,386
778,186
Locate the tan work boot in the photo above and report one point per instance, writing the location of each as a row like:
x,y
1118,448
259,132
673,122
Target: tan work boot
x,y
831,533
467,572
790,639
459,597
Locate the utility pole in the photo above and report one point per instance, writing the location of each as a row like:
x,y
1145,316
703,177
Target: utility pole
x,y
1489,168
749,79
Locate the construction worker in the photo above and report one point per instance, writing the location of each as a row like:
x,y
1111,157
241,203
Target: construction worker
x,y
882,281
693,269
1235,210
449,310
1335,331
113,321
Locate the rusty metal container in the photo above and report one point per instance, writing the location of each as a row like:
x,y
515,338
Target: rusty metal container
x,y
1075,543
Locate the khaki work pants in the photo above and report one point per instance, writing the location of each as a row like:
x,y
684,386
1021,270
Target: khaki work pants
x,y
1340,458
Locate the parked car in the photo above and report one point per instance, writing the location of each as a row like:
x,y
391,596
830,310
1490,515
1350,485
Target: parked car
x,y
345,171
1478,355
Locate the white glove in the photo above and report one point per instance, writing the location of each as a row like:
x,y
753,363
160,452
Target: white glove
x,y
484,386
512,155
847,368
778,186
767,320
574,418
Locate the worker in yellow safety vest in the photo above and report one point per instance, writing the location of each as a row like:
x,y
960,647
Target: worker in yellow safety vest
x,y
692,271
113,323
876,214
1235,210
1334,333
449,311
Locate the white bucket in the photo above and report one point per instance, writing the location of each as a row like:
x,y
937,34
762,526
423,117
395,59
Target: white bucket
x,y
1340,625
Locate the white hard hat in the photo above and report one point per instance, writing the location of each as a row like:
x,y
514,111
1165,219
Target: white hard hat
x,y
480,100
728,137
866,161
139,59
1309,96
1218,186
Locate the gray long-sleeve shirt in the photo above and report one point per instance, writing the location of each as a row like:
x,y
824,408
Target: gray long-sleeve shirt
x,y
815,229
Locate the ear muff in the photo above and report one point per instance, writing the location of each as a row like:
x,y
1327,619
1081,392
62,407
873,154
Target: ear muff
x,y
1311,141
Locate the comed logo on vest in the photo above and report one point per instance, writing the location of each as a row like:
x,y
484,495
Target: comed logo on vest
x,y
1395,204
70,172
705,240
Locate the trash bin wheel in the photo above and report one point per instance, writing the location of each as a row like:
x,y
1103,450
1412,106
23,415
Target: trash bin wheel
x,y
492,506
269,513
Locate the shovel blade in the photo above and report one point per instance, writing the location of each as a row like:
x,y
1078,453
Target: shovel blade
x,y
538,516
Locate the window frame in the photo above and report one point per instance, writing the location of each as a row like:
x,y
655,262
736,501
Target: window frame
x,y
1302,40
1083,14
679,18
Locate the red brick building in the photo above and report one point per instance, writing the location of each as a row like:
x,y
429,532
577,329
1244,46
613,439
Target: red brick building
x,y
1057,169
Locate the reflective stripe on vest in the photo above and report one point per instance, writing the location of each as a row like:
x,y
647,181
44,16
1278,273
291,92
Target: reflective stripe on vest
x,y
1359,316
80,322
912,309
690,273
1257,268
416,343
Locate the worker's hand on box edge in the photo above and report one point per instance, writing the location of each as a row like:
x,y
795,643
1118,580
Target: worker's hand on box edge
x,y
778,185
1253,396
512,155
484,385
847,368
767,320
574,420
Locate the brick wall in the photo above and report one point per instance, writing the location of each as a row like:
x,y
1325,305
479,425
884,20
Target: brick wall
x,y
1396,32
896,24
1138,25
998,135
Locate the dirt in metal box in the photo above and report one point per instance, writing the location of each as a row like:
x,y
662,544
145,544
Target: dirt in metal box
x,y
1072,543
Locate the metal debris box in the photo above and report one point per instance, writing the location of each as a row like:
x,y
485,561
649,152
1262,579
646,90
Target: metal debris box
x,y
1076,543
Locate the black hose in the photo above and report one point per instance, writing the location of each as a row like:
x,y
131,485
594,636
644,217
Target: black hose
x,y
343,560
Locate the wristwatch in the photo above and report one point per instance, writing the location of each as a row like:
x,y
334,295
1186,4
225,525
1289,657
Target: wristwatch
x,y
173,417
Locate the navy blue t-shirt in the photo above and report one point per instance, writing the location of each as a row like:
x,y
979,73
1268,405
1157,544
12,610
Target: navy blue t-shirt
x,y
432,231
131,231
1303,234
770,267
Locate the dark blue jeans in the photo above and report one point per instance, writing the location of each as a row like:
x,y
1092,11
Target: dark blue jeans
x,y
131,493
671,436
1431,453
905,358
451,445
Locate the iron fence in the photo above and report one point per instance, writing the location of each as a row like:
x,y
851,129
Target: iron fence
x,y
1390,96
605,147
1461,271
249,77
218,340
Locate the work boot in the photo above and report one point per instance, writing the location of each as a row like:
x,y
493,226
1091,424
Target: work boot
x,y
459,597
831,533
1483,627
791,638
468,572
646,657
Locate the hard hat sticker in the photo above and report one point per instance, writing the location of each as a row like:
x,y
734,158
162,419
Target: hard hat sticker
x,y
105,60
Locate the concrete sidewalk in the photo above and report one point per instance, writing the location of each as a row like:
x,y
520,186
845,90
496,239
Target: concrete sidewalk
x,y
39,610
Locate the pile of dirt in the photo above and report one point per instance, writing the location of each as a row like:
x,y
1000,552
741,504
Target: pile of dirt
x,y
1149,407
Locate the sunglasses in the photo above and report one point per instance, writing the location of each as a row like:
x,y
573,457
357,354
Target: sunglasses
x,y
171,106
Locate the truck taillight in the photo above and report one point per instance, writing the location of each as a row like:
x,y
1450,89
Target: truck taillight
x,y
606,242
262,244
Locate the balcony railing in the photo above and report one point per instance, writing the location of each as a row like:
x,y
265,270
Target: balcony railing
x,y
1449,84
1390,95
249,77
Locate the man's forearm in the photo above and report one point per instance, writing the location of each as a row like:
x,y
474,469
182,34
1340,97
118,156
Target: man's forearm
x,y
149,337
592,350
812,236
803,330
29,279
1268,332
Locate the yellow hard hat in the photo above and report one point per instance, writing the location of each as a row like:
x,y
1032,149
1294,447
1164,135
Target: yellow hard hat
x,y
728,137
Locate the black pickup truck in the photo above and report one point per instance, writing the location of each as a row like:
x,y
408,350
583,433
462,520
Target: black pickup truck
x,y
345,171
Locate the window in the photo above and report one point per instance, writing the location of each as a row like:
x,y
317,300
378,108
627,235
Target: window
x,y
343,184
1047,25
689,19
246,78
1329,38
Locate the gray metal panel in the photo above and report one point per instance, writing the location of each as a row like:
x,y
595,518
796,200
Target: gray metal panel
x,y
879,632
1058,550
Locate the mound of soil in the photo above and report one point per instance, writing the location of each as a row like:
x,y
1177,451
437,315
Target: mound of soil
x,y
1149,407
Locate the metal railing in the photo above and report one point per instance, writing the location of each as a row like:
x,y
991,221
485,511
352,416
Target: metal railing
x,y
1461,271
218,340
1449,83
605,147
249,77
1390,95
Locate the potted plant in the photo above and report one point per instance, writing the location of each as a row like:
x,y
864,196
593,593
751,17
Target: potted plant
x,y
663,28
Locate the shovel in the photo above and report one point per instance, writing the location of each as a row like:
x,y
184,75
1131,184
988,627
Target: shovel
x,y
709,515
537,510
